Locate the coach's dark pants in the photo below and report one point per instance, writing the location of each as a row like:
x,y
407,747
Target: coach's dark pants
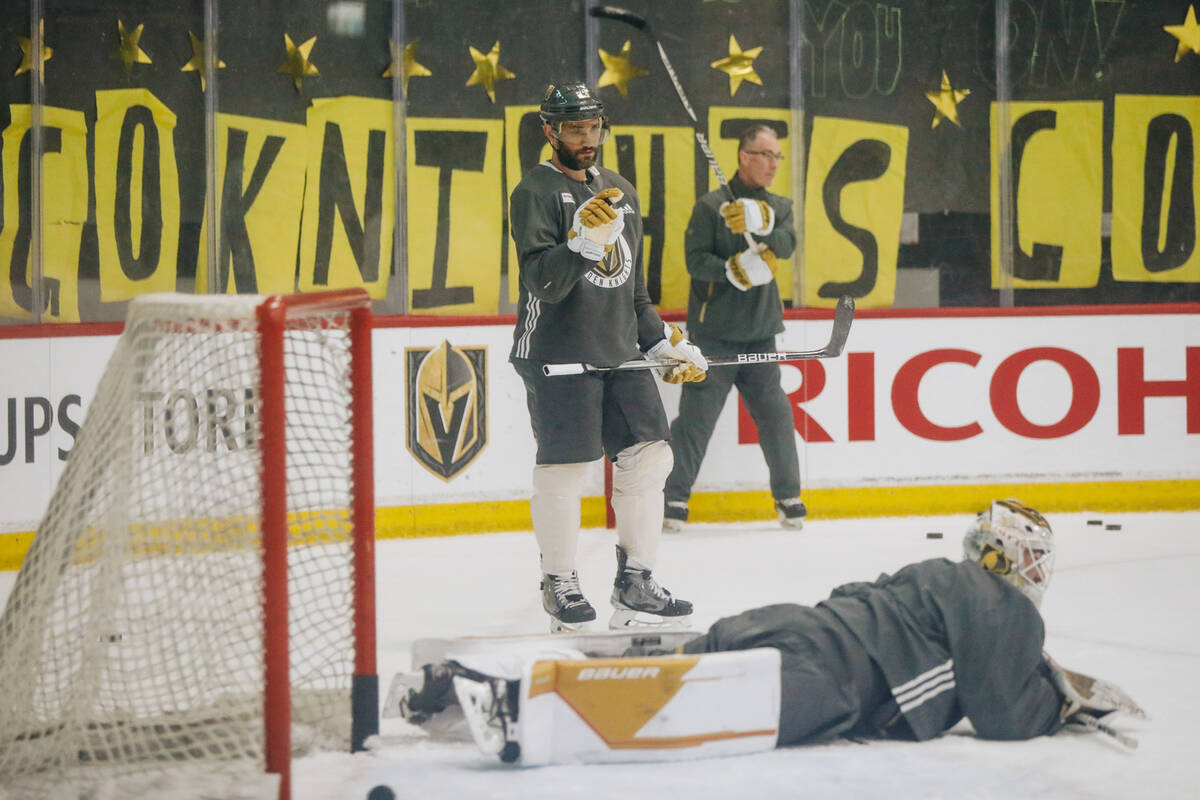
x,y
700,404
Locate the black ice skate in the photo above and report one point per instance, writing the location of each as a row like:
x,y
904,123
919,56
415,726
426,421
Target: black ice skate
x,y
791,512
564,602
636,592
675,514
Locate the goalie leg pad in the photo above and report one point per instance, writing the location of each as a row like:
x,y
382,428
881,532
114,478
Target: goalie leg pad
x,y
638,477
554,507
662,708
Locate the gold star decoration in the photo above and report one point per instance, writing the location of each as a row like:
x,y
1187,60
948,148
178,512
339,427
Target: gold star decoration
x,y
297,64
197,62
945,100
129,51
618,71
409,68
1188,35
27,51
488,70
739,65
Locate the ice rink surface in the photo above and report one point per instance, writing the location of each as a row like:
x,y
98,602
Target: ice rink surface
x,y
1123,605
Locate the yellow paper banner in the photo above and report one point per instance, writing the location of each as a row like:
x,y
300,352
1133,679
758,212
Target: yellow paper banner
x,y
260,196
1057,174
64,212
346,236
854,199
1156,188
137,194
454,215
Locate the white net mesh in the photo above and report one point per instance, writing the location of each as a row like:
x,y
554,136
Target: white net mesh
x,y
133,635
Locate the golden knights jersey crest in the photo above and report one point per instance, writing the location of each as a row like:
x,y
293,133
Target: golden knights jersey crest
x,y
446,390
614,269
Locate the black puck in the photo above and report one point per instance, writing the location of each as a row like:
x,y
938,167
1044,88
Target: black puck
x,y
933,535
1112,527
1095,522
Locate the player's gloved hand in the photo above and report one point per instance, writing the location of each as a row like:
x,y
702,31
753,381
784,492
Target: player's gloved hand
x,y
596,225
693,366
745,215
1083,694
752,267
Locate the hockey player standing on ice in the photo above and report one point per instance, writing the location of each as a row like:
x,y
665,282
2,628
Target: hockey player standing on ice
x,y
734,307
578,233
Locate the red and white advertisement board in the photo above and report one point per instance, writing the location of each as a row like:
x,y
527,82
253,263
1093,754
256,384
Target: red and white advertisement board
x,y
917,398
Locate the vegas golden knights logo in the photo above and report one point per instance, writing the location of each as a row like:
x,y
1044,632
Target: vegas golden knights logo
x,y
447,406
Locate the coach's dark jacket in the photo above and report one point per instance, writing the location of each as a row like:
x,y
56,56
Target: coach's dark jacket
x,y
718,310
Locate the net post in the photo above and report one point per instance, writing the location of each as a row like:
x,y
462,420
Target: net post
x,y
277,710
364,700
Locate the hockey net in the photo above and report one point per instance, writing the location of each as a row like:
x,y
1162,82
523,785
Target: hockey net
x,y
199,594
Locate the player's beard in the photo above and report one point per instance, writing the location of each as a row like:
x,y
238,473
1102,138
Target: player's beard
x,y
571,159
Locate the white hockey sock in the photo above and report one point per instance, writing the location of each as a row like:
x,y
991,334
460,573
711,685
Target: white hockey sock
x,y
554,507
638,477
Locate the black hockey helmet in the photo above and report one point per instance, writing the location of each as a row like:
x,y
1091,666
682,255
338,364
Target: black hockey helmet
x,y
569,101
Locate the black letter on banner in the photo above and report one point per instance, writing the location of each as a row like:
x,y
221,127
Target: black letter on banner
x,y
22,292
448,151
34,430
1046,262
1181,214
859,55
654,222
865,160
236,203
336,194
139,267
11,449
69,426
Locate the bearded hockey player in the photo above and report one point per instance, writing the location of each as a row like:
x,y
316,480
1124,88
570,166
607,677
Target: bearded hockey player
x,y
578,233
906,656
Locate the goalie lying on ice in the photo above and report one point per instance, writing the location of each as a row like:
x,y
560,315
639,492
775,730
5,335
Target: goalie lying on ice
x,y
906,656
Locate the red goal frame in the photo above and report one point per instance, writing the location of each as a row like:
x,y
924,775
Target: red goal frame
x,y
273,316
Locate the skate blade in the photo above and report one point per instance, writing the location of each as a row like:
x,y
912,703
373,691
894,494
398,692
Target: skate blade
x,y
626,618
558,626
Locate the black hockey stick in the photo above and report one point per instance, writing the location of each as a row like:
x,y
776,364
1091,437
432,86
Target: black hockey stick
x,y
843,315
639,22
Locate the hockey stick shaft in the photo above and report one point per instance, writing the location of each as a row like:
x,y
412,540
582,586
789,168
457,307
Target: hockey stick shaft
x,y
639,22
843,316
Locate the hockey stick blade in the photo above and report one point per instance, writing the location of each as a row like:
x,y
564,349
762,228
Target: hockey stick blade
x,y
1091,724
843,316
620,15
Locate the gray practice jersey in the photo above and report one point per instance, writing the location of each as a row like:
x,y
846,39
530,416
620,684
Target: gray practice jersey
x,y
954,640
571,308
907,655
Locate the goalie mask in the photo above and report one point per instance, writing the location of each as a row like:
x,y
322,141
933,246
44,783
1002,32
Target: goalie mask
x,y
572,102
1015,542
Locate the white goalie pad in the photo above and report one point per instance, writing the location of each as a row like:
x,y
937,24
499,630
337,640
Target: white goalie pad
x,y
660,708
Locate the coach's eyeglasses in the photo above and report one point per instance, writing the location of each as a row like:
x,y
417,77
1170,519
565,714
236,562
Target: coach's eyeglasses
x,y
766,155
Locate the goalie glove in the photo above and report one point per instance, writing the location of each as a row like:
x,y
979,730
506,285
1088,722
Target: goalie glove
x,y
596,225
693,366
748,216
1084,695
752,267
